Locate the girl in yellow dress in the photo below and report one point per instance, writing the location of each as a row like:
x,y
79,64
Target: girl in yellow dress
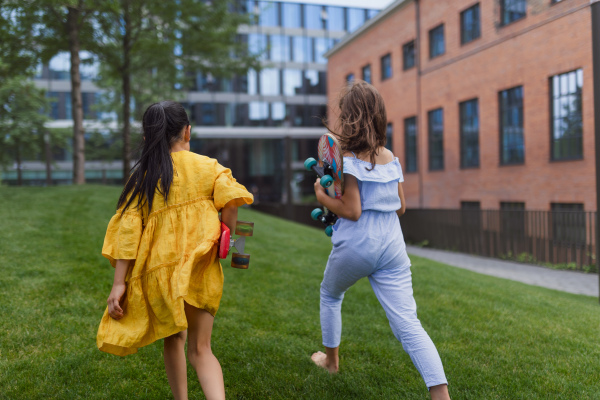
x,y
162,242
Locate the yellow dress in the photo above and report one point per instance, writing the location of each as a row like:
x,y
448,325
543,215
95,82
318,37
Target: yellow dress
x,y
175,253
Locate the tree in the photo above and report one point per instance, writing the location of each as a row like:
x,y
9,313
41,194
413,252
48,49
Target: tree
x,y
61,25
17,55
147,45
21,121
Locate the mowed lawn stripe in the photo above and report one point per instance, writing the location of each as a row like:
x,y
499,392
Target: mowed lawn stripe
x,y
498,339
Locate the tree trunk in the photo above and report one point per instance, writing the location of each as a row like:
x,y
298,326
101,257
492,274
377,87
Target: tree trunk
x,y
126,77
73,17
48,157
18,157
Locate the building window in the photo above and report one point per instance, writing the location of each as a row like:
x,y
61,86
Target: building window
x,y
291,15
436,139
567,129
568,223
386,67
437,46
512,10
269,82
408,55
470,28
470,205
512,146
512,218
336,20
292,82
356,18
389,135
350,78
279,48
366,72
410,144
269,13
469,134
312,16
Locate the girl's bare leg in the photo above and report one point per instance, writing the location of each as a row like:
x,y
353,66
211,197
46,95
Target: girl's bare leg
x,y
175,365
208,369
329,360
439,392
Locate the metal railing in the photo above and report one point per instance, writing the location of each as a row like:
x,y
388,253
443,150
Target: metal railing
x,y
560,238
564,239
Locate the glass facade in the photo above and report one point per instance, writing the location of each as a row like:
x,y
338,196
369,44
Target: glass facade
x,y
293,65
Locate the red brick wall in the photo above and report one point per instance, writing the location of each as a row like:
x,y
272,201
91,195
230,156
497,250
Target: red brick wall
x,y
552,39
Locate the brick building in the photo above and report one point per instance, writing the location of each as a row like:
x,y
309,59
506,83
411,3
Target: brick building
x,y
490,102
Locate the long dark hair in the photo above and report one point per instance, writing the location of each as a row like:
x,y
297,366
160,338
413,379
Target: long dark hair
x,y
162,125
362,122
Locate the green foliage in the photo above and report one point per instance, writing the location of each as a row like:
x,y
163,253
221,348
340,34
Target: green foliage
x,y
167,40
106,145
498,339
22,119
17,54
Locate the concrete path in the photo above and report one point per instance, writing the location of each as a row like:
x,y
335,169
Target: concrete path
x,y
566,281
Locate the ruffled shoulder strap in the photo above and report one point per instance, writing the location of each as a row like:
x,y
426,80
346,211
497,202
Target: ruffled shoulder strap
x,y
382,173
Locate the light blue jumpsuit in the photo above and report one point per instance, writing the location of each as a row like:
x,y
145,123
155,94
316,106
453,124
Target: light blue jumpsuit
x,y
374,247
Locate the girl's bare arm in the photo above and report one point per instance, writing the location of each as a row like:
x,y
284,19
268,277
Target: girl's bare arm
x,y
348,206
118,289
229,215
402,209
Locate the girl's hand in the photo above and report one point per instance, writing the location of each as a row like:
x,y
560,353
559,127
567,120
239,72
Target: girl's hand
x,y
114,299
319,190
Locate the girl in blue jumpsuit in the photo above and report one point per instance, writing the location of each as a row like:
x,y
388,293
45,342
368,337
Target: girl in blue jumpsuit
x,y
367,238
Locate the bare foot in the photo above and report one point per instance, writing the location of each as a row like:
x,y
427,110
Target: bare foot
x,y
322,361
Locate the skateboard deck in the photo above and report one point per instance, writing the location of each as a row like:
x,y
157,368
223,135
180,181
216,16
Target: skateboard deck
x,y
330,152
329,167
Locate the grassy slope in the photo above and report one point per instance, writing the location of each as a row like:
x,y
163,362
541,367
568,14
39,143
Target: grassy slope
x,y
498,339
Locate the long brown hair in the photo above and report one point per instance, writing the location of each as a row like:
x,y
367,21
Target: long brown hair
x,y
361,125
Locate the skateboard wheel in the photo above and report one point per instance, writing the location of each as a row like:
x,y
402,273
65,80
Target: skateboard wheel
x,y
310,163
240,261
243,228
329,230
326,181
316,214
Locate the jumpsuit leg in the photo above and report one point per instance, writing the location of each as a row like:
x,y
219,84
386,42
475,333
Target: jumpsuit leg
x,y
346,265
393,288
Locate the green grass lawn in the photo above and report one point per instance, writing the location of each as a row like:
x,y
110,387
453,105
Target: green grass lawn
x,y
498,339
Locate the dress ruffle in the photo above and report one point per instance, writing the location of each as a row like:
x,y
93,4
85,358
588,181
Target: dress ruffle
x,y
381,173
123,236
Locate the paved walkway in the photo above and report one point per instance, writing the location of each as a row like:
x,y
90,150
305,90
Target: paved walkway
x,y
566,281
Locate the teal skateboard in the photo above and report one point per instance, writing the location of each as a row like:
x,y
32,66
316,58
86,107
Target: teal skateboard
x,y
329,167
